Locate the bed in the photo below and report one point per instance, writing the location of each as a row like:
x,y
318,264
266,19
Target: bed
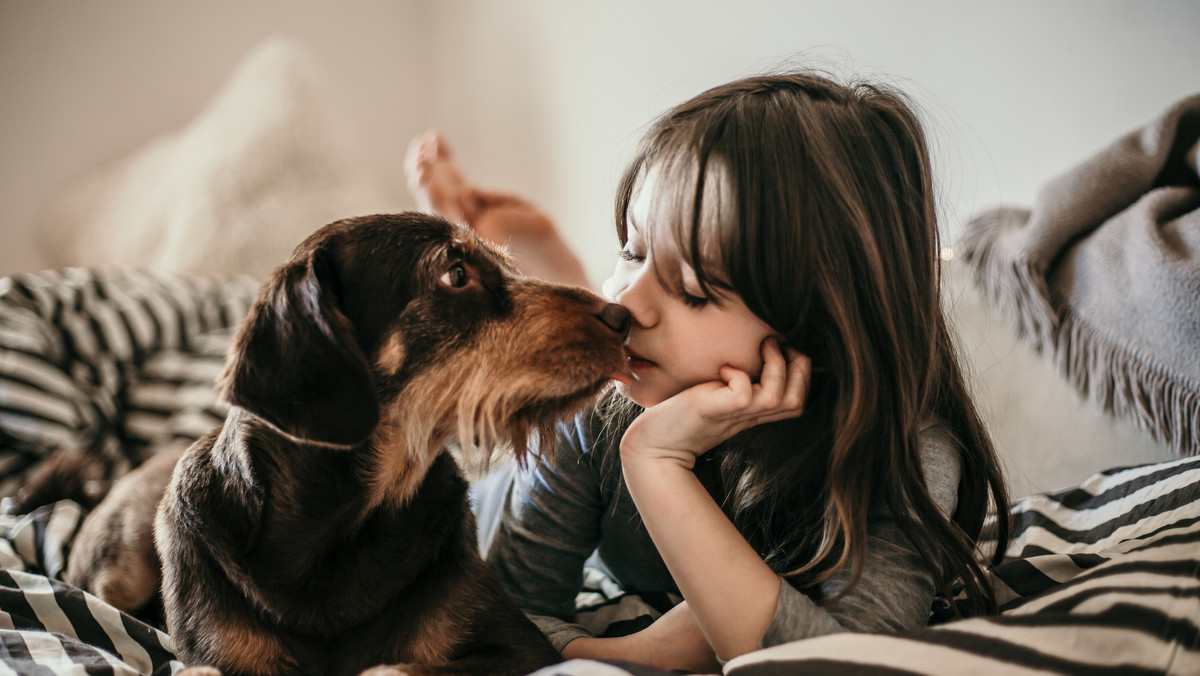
x,y
116,362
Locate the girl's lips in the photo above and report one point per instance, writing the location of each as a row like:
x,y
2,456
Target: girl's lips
x,y
636,361
622,377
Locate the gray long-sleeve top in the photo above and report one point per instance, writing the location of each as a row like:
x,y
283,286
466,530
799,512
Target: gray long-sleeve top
x,y
554,517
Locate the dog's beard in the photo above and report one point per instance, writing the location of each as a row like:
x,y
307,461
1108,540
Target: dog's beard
x,y
519,417
487,417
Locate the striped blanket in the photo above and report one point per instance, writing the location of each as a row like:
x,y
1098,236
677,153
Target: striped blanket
x,y
1103,578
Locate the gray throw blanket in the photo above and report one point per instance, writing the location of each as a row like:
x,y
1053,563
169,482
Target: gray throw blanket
x,y
1103,274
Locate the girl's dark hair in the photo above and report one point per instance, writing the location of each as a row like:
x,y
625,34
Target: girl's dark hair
x,y
832,239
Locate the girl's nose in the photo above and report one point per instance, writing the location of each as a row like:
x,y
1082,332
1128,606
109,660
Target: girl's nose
x,y
636,294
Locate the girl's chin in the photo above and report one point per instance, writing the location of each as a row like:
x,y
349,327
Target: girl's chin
x,y
639,394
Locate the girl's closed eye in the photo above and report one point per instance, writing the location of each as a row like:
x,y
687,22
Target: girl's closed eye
x,y
631,256
691,300
689,289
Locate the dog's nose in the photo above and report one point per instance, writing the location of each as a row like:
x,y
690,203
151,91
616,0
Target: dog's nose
x,y
615,317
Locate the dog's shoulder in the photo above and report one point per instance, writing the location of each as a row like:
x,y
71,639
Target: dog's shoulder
x,y
215,491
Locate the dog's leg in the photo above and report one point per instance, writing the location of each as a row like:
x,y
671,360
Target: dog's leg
x,y
113,554
66,474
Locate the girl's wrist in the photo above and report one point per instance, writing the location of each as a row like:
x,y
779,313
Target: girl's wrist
x,y
651,473
636,455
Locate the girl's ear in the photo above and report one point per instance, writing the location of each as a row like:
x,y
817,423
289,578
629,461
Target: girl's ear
x,y
296,364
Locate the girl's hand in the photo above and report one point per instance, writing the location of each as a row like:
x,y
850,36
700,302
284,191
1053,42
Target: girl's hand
x,y
692,422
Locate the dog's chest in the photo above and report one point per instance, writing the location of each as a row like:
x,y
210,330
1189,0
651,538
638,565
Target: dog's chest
x,y
326,566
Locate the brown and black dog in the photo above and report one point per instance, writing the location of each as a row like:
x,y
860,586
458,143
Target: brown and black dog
x,y
325,528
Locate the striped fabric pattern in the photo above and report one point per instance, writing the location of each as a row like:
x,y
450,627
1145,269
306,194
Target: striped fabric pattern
x,y
1103,578
49,627
109,363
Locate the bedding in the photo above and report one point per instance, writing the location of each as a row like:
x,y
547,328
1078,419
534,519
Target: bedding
x,y
1100,578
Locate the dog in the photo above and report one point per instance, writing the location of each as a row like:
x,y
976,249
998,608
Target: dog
x,y
324,528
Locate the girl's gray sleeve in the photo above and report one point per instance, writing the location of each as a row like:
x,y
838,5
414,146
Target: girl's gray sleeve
x,y
550,525
896,589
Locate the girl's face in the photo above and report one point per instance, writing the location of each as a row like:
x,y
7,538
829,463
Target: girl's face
x,y
679,338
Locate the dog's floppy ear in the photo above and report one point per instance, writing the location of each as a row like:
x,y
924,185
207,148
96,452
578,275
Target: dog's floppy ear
x,y
295,362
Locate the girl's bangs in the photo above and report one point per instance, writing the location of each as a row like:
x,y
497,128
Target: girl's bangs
x,y
698,209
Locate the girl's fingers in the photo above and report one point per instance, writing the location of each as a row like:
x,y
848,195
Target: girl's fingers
x,y
780,392
735,378
799,372
739,385
774,370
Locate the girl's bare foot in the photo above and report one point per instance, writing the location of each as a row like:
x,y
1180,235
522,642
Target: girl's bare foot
x,y
527,233
434,178
438,185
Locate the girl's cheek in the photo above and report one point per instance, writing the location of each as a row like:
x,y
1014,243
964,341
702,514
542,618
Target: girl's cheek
x,y
752,362
609,289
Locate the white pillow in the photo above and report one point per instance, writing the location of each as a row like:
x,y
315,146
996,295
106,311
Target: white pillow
x,y
266,163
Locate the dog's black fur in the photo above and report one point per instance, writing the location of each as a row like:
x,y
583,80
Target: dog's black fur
x,y
324,529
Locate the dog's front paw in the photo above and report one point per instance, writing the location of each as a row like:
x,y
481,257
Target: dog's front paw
x,y
199,671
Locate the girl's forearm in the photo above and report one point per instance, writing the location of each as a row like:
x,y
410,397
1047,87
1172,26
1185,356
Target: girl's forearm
x,y
730,591
662,645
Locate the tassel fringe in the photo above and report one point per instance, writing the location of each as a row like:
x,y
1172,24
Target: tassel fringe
x,y
1123,383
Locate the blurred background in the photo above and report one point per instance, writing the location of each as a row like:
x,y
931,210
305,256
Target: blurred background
x,y
213,136
548,97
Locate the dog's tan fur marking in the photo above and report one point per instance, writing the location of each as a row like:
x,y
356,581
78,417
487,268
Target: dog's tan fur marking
x,y
130,583
477,398
392,354
422,418
250,650
393,472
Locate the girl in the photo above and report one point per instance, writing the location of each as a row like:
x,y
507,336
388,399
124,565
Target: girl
x,y
793,449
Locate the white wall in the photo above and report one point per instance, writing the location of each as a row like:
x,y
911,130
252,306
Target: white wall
x,y
547,96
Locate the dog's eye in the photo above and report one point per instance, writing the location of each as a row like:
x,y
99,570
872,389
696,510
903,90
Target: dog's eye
x,y
456,277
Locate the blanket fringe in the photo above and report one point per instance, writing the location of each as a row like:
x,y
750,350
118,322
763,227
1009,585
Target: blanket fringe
x,y
1124,384
1013,282
1127,386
